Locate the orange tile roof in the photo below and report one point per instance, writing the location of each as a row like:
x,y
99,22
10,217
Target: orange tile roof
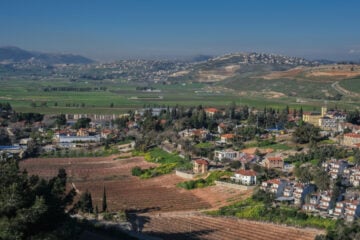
x,y
228,136
352,135
274,158
202,162
211,110
246,172
274,181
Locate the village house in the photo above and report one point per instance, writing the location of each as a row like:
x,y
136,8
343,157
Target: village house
x,y
82,132
339,209
325,199
274,162
335,167
309,207
105,133
226,154
200,166
352,210
245,177
289,190
275,186
227,138
314,201
65,132
210,112
221,128
354,178
345,125
301,190
245,158
201,134
351,139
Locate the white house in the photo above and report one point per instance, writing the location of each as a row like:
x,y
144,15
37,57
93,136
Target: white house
x,y
275,186
246,177
301,190
352,210
226,154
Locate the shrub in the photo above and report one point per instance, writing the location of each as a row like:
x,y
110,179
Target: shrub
x,y
136,171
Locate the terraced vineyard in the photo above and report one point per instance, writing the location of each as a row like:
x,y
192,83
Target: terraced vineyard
x,y
123,190
198,226
161,209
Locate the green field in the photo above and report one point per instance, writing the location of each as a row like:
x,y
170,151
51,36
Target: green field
x,y
120,97
352,85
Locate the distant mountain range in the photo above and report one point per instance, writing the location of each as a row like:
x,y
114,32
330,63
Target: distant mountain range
x,y
15,54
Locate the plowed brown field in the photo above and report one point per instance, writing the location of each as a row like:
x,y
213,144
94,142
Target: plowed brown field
x,y
168,212
128,192
198,226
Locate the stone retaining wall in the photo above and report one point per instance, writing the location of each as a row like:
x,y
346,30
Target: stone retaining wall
x,y
185,175
233,185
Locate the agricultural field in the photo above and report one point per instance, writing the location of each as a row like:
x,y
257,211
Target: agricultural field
x,y
352,84
198,226
161,209
125,191
115,96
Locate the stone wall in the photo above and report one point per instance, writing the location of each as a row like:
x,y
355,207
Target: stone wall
x,y
233,185
185,175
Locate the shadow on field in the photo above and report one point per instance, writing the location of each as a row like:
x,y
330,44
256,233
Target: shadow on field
x,y
193,235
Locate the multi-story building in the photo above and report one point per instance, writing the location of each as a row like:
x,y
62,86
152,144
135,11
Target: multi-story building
x,y
339,209
274,162
301,190
352,210
275,186
325,199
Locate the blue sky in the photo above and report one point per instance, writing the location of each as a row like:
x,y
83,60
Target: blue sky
x,y
117,29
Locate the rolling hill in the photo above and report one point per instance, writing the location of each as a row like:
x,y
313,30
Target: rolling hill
x,y
18,55
261,74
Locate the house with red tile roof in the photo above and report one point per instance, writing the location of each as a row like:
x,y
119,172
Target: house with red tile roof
x,y
227,138
210,112
245,177
274,162
351,139
200,166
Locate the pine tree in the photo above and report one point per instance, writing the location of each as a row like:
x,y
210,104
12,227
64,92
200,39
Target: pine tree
x,y
104,204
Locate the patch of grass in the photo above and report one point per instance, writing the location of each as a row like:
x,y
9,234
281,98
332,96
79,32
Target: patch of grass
x,y
257,210
315,162
327,141
200,183
168,163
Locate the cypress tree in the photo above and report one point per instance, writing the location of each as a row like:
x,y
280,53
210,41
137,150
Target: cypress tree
x,y
104,204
